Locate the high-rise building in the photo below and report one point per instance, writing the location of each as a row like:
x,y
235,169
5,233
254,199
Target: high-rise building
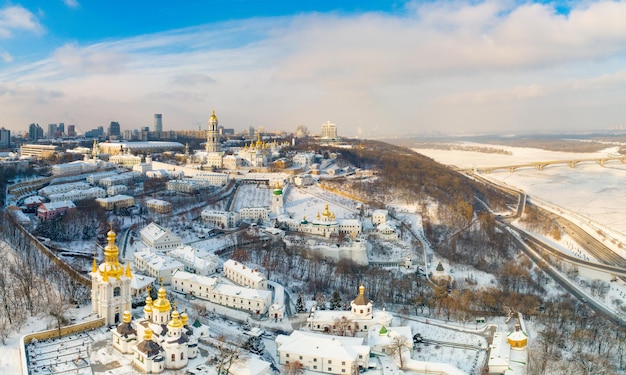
x,y
71,131
35,132
212,139
251,132
158,122
114,130
5,138
61,129
52,129
329,130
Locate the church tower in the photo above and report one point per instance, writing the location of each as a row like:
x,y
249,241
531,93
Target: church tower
x,y
277,200
110,285
212,139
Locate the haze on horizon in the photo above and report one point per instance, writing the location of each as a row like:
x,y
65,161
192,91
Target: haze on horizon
x,y
374,68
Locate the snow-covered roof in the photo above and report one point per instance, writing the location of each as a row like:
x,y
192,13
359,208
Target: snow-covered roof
x,y
154,232
157,202
140,281
158,262
251,274
198,258
322,346
253,366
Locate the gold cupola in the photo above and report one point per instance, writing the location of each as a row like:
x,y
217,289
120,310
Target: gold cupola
x,y
326,212
162,304
111,265
175,322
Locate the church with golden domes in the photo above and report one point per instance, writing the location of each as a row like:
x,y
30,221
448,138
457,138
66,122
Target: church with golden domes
x,y
326,224
110,284
162,339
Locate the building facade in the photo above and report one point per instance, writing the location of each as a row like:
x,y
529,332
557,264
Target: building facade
x,y
110,285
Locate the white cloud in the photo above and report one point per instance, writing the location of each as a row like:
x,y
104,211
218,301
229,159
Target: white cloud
x,y
6,57
71,4
444,65
89,60
15,17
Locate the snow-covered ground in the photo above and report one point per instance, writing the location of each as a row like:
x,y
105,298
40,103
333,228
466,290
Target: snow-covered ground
x,y
593,193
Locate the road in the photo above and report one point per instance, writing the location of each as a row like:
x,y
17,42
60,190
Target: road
x,y
525,241
534,247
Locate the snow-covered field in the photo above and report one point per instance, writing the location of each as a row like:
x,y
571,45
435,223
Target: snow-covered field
x,y
588,189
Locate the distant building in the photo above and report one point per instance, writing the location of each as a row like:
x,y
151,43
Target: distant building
x,y
212,136
5,138
71,130
52,129
329,130
195,261
47,211
322,353
116,202
379,216
155,265
212,289
159,206
39,151
158,122
35,132
220,219
159,238
114,130
244,276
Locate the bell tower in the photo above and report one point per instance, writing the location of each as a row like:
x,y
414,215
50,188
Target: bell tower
x,y
212,139
110,284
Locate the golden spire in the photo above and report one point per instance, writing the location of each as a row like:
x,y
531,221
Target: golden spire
x,y
326,210
148,307
128,273
111,253
94,266
105,275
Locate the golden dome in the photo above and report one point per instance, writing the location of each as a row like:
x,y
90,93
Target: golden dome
x,y
127,316
213,117
175,322
326,211
147,334
162,304
184,318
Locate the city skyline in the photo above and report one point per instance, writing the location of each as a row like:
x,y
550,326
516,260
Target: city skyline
x,y
373,68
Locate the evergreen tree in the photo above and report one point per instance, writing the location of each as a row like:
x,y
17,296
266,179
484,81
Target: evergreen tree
x,y
335,302
300,308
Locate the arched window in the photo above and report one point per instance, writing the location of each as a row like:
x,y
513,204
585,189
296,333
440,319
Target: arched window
x,y
116,291
173,357
182,355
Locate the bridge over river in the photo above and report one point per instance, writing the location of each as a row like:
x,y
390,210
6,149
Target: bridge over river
x,y
540,165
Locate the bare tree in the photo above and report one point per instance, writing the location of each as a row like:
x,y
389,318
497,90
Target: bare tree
x,y
398,345
294,368
229,353
57,308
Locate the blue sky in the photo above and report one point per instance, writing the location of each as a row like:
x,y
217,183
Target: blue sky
x,y
372,67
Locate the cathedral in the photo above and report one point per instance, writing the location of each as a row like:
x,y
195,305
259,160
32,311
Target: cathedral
x,y
162,339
